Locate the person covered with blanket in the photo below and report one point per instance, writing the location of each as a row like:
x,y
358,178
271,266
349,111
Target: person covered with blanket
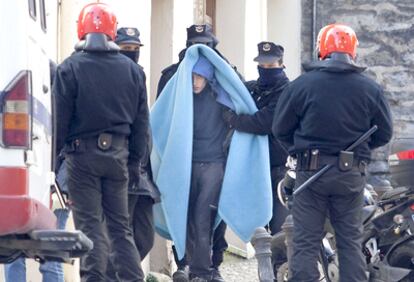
x,y
208,163
198,34
191,147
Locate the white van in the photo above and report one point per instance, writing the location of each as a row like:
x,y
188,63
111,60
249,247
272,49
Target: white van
x,y
26,140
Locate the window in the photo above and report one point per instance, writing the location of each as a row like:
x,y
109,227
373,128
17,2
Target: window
x,y
32,9
42,15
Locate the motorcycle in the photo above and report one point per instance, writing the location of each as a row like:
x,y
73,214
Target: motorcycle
x,y
388,242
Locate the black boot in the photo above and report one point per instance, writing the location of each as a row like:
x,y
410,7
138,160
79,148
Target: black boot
x,y
216,276
181,275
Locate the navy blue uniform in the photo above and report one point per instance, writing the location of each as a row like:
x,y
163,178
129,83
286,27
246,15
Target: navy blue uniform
x,y
327,109
102,94
114,104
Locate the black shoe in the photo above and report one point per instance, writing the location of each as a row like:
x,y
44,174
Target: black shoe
x,y
216,276
181,275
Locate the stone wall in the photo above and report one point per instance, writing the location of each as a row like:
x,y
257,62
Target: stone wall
x,y
385,30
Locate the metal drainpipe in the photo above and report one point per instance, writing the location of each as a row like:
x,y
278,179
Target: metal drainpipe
x,y
313,55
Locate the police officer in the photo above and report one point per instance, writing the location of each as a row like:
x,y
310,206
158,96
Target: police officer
x,y
102,124
142,193
128,40
197,34
266,91
319,114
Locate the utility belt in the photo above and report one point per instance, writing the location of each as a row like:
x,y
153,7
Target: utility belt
x,y
103,141
312,160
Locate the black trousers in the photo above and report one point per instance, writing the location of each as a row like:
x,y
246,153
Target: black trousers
x,y
279,212
206,181
340,194
142,223
219,246
97,182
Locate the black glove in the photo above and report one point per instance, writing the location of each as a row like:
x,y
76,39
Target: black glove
x,y
230,117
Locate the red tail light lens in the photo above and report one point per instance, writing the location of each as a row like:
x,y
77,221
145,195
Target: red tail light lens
x,y
406,155
412,207
16,112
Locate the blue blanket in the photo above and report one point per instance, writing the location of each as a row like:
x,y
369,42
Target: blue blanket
x,y
246,196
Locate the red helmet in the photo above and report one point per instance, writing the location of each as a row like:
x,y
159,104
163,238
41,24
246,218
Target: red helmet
x,y
337,38
97,17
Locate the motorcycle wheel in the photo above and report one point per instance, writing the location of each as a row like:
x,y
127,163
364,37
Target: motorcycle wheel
x,y
403,256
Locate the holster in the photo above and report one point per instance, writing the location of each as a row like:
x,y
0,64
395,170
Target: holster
x,y
308,160
345,160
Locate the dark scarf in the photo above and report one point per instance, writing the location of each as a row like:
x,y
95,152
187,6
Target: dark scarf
x,y
268,78
133,55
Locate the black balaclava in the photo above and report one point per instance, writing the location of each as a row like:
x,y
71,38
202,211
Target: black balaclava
x,y
269,76
133,55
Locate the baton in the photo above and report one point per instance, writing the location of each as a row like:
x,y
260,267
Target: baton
x,y
59,195
327,167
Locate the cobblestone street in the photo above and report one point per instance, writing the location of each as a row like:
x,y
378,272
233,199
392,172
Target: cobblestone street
x,y
238,269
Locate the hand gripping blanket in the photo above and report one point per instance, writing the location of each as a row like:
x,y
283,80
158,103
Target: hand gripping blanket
x,y
246,195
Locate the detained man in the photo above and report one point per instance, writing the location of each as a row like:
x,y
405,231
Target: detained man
x,y
205,174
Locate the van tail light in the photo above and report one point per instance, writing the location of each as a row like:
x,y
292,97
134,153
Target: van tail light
x,y
406,155
16,110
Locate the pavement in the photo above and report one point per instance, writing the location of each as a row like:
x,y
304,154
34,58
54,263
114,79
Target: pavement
x,y
238,269
233,269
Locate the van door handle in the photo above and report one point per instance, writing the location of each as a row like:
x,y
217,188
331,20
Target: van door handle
x,y
45,88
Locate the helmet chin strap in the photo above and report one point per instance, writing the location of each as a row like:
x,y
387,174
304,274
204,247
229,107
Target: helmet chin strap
x,y
96,42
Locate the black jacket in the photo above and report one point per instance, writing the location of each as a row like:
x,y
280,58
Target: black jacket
x,y
100,92
169,71
329,107
261,121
